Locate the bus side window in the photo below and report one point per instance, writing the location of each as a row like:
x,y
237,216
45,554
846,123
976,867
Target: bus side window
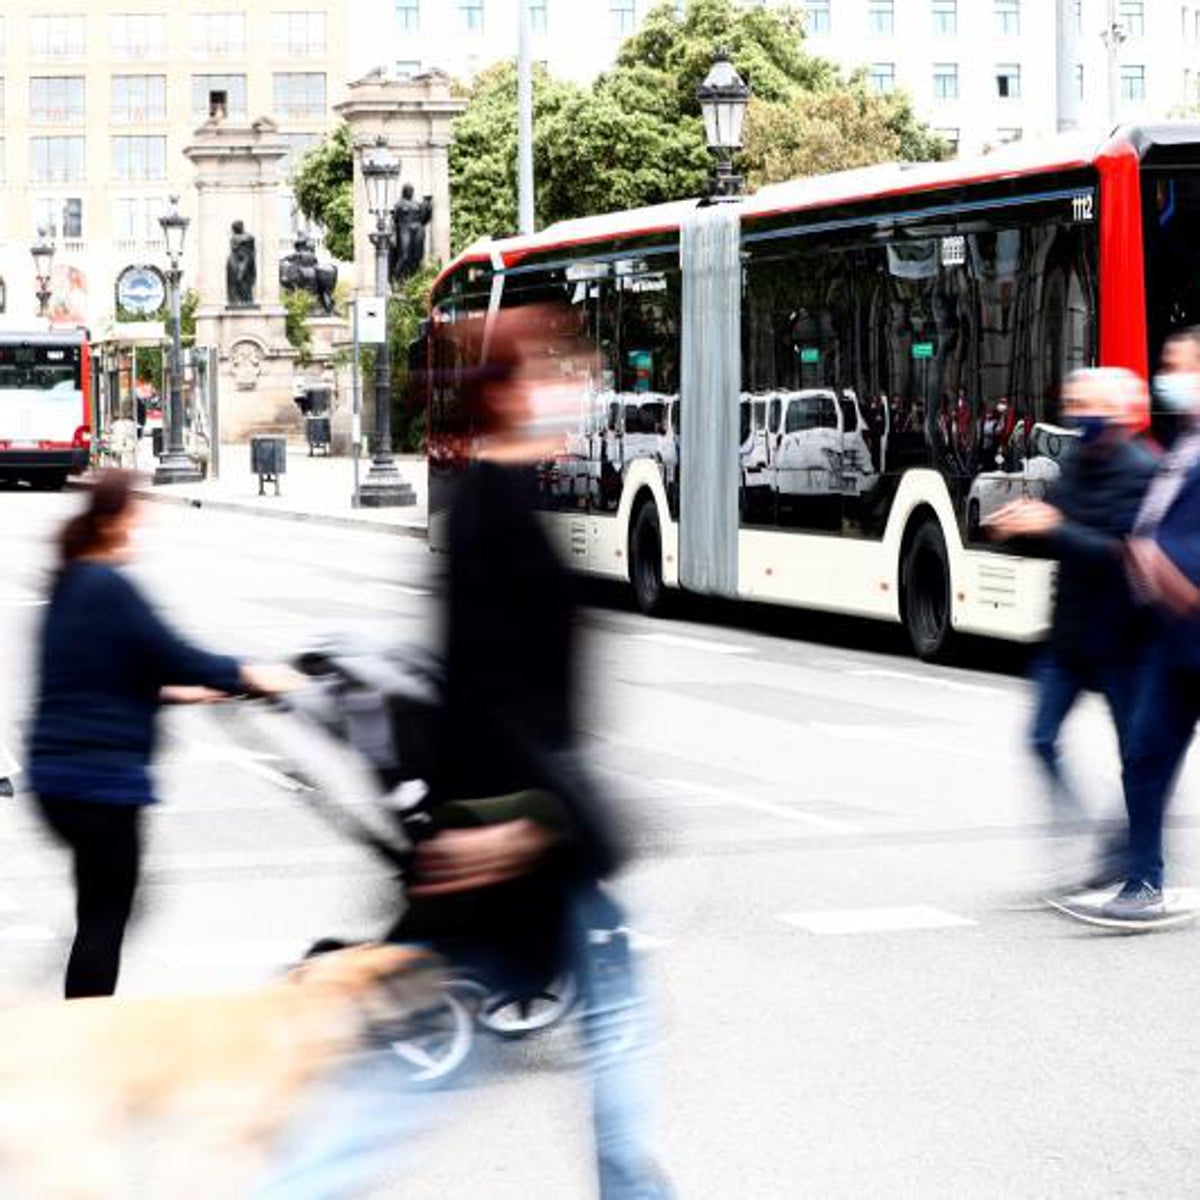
x,y
774,413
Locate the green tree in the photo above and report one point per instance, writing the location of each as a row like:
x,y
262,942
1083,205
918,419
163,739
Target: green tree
x,y
323,185
298,307
635,136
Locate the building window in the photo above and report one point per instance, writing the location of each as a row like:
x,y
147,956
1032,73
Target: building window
x,y
56,37
298,145
1009,135
56,100
816,17
1079,80
138,98
408,16
1132,15
135,218
59,216
300,96
537,16
56,159
1008,17
624,16
218,33
138,159
1133,83
950,137
407,68
1008,81
210,92
471,14
882,77
881,17
299,34
945,81
137,35
945,17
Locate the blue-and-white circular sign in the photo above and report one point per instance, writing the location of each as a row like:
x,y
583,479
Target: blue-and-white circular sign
x,y
141,290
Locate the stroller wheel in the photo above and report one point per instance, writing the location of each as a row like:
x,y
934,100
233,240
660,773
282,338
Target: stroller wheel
x,y
436,1042
518,1014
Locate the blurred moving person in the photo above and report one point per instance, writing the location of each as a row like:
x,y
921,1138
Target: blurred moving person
x,y
107,661
508,735
1097,633
1164,568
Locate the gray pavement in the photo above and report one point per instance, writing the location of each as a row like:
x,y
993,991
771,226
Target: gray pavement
x,y
832,836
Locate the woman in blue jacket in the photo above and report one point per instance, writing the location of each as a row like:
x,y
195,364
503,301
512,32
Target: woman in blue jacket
x,y
107,662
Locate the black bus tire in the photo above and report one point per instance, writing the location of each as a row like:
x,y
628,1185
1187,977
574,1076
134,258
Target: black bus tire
x,y
49,481
646,559
925,593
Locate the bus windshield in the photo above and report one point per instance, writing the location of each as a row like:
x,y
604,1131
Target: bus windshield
x,y
41,396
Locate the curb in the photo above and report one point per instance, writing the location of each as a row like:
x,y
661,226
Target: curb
x,y
419,532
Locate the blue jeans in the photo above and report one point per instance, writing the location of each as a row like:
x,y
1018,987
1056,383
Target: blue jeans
x,y
362,1121
1164,716
1060,681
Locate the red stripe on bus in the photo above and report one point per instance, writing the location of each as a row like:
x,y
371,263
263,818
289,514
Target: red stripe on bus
x,y
1123,337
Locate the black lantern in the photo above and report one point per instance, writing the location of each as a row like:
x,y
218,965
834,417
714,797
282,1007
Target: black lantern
x,y
723,97
42,251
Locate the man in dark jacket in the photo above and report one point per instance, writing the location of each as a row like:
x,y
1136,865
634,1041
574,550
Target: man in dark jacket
x,y
1164,569
1097,631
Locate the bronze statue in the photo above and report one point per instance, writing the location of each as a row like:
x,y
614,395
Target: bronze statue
x,y
300,271
241,267
409,219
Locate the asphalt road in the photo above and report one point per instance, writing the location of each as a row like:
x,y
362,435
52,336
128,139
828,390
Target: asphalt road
x,y
833,836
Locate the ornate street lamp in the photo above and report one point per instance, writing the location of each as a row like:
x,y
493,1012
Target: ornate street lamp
x,y
175,465
723,97
43,263
383,487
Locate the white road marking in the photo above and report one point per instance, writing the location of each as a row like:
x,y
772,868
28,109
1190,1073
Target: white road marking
x,y
407,589
27,932
874,920
917,742
247,760
314,856
785,811
912,677
691,643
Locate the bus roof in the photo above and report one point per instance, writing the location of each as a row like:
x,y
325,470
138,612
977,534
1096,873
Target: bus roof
x,y
1062,152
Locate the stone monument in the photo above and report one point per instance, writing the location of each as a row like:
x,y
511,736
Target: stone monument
x,y
237,183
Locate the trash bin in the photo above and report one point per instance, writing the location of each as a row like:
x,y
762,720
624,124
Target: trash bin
x,y
319,434
319,402
268,459
156,441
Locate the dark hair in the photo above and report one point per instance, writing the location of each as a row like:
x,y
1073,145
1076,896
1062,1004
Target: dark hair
x,y
87,532
1186,333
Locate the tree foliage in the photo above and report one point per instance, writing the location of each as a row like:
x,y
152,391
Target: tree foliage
x,y
323,185
635,136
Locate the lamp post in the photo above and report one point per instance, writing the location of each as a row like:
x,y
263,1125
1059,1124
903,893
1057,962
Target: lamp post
x,y
723,97
383,487
175,465
43,262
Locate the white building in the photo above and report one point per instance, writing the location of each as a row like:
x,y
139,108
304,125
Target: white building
x,y
981,71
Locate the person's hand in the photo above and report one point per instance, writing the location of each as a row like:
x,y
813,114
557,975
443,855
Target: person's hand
x,y
1166,583
1023,518
190,695
461,860
271,679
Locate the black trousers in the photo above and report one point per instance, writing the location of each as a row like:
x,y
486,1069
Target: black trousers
x,y
106,846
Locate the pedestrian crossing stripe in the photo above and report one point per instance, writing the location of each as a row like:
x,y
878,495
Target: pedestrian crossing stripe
x,y
903,918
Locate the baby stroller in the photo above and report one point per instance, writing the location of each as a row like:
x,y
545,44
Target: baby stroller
x,y
381,705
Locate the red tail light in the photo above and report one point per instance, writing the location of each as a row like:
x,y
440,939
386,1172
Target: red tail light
x,y
83,438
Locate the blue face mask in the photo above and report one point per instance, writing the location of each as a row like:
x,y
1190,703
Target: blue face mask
x,y
1091,428
1176,391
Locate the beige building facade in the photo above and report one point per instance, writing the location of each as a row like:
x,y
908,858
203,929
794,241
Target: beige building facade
x,y
99,98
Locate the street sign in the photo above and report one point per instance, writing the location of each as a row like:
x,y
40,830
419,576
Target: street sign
x,y
922,349
810,354
372,320
141,290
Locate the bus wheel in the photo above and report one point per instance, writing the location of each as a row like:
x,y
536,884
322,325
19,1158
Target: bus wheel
x,y
645,559
926,592
49,481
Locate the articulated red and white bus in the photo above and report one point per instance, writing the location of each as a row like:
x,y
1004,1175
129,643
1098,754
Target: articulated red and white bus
x,y
881,350
45,407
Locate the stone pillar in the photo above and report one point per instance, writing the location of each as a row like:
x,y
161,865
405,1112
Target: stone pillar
x,y
413,117
238,179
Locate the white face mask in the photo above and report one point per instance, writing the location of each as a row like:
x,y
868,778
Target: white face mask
x,y
1177,391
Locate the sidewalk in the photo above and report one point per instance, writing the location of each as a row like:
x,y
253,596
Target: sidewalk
x,y
312,489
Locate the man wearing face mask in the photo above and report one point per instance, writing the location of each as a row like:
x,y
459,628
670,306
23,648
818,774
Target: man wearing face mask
x,y
1163,560
1097,631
